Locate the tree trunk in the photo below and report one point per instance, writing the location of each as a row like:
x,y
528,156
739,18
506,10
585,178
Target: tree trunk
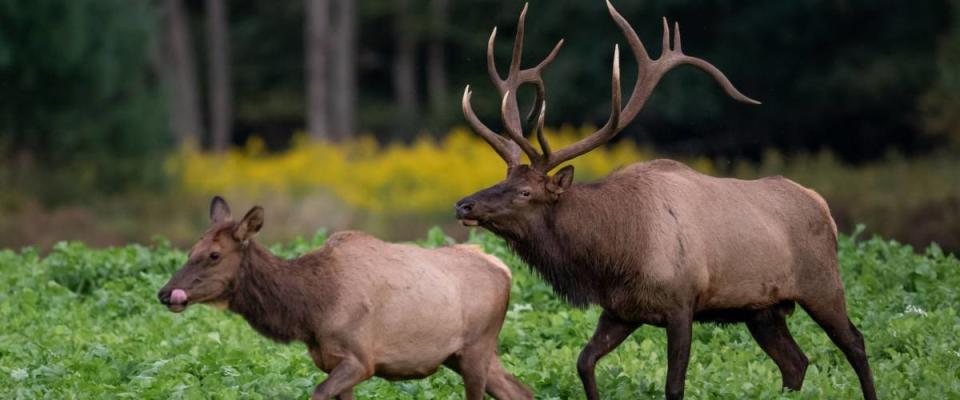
x,y
344,79
436,55
315,36
219,74
178,69
405,70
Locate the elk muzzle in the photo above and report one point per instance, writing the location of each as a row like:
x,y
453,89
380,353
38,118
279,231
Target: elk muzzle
x,y
175,300
463,209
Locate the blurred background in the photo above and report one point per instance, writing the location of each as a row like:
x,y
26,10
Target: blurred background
x,y
120,118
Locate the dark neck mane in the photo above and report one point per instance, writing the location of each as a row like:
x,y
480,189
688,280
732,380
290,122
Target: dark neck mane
x,y
272,294
546,256
579,260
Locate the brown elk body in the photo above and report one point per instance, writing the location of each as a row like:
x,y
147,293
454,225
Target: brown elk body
x,y
362,306
658,243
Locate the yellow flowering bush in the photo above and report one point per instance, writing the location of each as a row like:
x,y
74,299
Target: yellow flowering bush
x,y
426,176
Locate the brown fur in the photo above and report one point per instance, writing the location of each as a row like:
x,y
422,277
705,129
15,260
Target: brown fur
x,y
659,243
362,306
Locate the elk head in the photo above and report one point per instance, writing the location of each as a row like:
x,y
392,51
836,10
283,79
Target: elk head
x,y
529,193
210,273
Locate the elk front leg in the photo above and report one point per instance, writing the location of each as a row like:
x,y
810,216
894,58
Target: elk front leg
x,y
347,374
678,353
611,331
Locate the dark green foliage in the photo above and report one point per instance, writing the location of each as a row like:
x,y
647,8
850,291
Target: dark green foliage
x,y
848,75
116,341
79,94
941,104
83,270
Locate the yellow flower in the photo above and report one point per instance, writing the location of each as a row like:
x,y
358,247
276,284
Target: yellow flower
x,y
422,178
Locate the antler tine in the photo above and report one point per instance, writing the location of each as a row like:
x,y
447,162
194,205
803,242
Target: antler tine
x,y
666,38
538,82
636,46
649,73
491,64
676,37
549,59
615,86
518,45
508,110
507,149
537,104
676,57
544,145
721,79
599,137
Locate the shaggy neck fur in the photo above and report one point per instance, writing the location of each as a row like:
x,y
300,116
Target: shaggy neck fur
x,y
272,294
577,244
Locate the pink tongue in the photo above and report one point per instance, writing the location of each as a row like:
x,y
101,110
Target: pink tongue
x,y
178,296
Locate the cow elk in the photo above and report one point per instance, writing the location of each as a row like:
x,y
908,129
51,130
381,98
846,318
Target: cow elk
x,y
362,306
656,242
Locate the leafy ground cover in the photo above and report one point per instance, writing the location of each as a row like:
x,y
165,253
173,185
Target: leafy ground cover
x,y
84,323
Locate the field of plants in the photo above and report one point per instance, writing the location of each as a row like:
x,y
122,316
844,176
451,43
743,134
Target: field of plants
x,y
398,191
84,323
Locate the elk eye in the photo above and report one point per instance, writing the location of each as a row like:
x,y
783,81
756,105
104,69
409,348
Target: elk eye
x,y
525,193
214,256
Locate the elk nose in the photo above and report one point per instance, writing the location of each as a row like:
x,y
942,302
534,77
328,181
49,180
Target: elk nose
x,y
164,297
464,207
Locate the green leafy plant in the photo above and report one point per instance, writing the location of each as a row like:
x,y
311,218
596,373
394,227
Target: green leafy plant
x,y
85,323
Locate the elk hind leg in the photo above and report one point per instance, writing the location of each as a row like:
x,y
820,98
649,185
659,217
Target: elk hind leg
x,y
769,329
830,313
473,364
679,333
501,385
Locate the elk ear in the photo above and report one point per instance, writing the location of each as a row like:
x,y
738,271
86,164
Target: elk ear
x,y
250,225
219,210
560,181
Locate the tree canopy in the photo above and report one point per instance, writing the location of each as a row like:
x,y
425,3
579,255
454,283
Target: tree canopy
x,y
860,77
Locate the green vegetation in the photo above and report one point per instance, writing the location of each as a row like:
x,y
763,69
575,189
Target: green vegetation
x,y
85,323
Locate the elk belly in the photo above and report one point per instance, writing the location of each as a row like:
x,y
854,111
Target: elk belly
x,y
421,323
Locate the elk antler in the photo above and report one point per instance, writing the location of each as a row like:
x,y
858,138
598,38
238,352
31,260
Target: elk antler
x,y
649,72
509,149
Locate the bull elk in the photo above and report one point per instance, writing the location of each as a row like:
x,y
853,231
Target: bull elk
x,y
656,242
363,307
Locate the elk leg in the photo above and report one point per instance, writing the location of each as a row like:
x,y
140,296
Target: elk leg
x,y
348,395
473,364
501,385
611,331
679,330
769,329
347,374
835,322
